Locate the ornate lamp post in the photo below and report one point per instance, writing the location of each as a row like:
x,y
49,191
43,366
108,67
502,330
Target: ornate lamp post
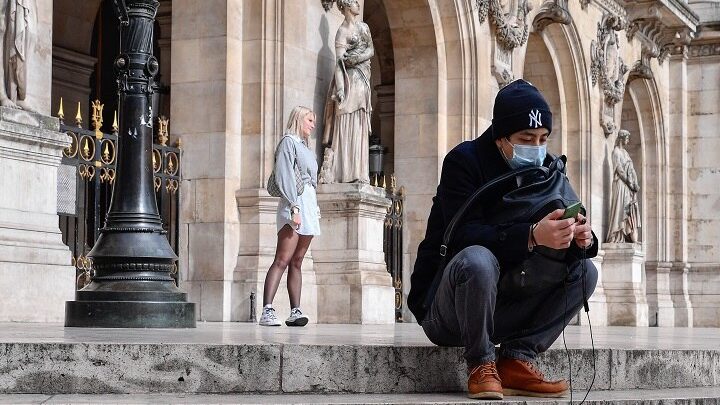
x,y
131,284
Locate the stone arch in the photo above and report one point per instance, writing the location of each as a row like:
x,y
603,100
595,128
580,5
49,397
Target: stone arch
x,y
434,65
641,109
540,70
570,101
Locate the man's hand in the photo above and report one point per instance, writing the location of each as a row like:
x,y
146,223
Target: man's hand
x,y
583,232
554,232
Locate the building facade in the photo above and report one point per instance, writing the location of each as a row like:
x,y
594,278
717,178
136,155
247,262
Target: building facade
x,y
231,71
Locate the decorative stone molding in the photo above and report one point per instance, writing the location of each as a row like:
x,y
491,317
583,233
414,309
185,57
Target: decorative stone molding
x,y
659,41
704,50
641,70
609,6
510,32
662,28
551,12
607,67
501,66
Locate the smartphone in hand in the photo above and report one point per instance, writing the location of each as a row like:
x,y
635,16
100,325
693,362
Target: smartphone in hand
x,y
572,211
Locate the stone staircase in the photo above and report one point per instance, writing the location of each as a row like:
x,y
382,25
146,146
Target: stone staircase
x,y
242,363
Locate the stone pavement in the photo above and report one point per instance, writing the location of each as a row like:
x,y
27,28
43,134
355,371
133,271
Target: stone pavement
x,y
329,364
626,397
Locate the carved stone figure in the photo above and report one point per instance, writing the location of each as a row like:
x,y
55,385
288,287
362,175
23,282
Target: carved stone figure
x,y
17,24
607,68
511,31
348,108
624,218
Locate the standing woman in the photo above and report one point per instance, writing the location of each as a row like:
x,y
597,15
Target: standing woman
x,y
298,215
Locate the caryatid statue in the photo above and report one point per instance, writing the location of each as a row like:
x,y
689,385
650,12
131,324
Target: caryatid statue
x,y
17,24
348,108
624,218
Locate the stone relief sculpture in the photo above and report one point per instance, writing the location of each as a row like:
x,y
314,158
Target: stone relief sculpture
x,y
552,12
510,33
348,108
624,216
607,68
17,24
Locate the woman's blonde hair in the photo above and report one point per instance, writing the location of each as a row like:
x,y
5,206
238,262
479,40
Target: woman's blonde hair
x,y
297,115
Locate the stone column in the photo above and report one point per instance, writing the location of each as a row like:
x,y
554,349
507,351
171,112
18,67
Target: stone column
x,y
625,284
678,172
35,273
660,305
353,285
206,77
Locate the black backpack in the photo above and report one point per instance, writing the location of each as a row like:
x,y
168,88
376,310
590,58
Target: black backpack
x,y
522,195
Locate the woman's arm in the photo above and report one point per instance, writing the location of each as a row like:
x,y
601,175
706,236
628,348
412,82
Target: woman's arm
x,y
285,171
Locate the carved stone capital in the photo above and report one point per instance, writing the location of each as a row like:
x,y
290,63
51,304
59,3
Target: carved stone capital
x,y
662,29
640,70
552,12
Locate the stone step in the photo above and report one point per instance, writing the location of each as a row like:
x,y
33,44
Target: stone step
x,y
132,368
680,396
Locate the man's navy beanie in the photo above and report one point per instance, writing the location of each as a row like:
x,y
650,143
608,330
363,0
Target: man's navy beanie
x,y
518,106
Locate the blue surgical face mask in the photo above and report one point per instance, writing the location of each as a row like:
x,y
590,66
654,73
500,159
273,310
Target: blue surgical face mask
x,y
526,155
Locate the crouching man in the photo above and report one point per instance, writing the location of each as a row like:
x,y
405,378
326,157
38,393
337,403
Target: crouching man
x,y
476,303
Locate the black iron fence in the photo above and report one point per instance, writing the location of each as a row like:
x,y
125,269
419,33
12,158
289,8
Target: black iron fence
x,y
86,177
393,242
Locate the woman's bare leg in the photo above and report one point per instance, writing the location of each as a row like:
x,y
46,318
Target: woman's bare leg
x,y
286,246
294,278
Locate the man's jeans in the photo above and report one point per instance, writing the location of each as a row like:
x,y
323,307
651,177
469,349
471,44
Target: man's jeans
x,y
473,310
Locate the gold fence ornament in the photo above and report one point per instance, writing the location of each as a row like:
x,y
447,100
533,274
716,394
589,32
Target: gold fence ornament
x,y
171,185
115,127
61,113
97,118
71,150
78,117
163,130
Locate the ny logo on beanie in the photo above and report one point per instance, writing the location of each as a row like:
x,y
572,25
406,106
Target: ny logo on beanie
x,y
535,118
515,104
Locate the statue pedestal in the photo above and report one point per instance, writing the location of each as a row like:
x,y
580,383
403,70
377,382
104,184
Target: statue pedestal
x,y
624,284
36,277
353,285
258,240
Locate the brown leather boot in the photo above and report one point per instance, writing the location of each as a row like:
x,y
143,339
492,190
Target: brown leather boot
x,y
522,378
484,382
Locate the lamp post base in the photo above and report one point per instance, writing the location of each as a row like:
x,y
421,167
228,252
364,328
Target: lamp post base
x,y
129,314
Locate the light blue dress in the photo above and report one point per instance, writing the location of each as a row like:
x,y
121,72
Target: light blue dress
x,y
291,150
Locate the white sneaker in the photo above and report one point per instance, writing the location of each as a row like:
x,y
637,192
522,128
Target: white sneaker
x,y
269,318
296,318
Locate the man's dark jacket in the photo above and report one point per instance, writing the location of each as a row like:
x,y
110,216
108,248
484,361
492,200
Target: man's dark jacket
x,y
466,168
